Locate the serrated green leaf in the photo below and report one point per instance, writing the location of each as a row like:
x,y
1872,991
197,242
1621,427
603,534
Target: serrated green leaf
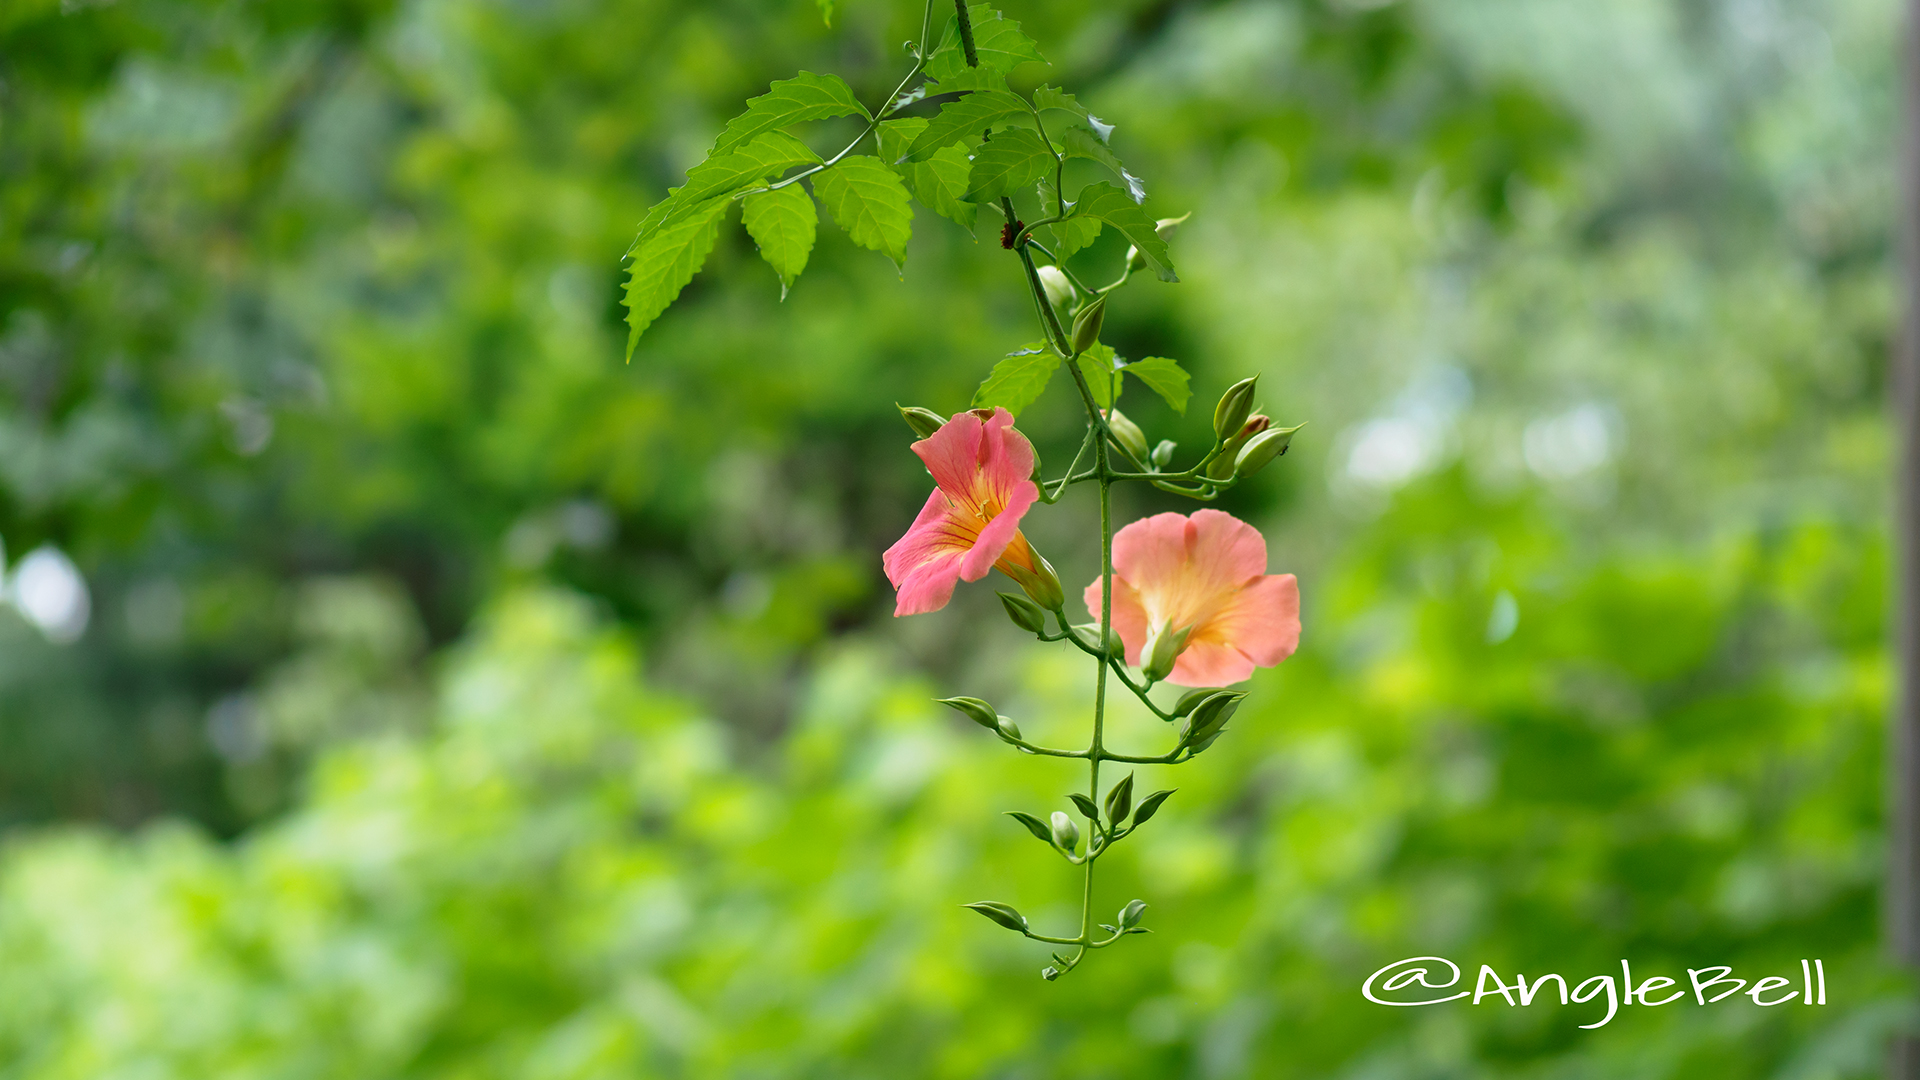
x,y
664,264
969,79
1081,142
783,223
1048,97
1069,236
1034,825
1107,203
868,200
1011,159
766,156
1074,235
1164,377
1017,381
998,44
806,96
971,115
1096,365
938,182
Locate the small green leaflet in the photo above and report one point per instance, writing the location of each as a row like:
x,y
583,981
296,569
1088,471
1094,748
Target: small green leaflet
x,y
1096,364
806,96
1071,235
977,78
1164,377
1074,235
997,43
782,222
1018,381
937,182
970,115
1107,203
765,157
1011,159
868,200
666,262
1082,142
1048,97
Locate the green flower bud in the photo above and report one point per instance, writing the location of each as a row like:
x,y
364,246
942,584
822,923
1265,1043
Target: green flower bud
x,y
1089,635
1234,408
1263,448
1058,289
1127,434
1085,806
1150,806
1167,226
924,422
1120,801
1163,648
1025,613
1209,718
975,710
1005,914
1007,728
1086,325
1065,833
1135,261
1221,467
1130,915
1192,698
1041,583
1163,453
1049,973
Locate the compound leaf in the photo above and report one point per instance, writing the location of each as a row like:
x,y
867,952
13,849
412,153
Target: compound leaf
x,y
868,200
971,115
1081,142
1096,365
1012,159
783,223
666,261
1017,381
806,96
1104,202
938,182
1164,377
998,44
1048,97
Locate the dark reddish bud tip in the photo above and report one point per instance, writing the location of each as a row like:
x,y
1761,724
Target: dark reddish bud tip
x,y
1010,230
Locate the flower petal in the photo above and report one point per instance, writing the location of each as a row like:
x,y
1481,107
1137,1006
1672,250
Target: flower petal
x,y
1006,462
1261,621
952,454
1187,567
1129,616
1209,663
924,564
999,532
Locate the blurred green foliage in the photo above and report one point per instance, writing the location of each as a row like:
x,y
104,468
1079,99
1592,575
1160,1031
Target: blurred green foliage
x,y
309,353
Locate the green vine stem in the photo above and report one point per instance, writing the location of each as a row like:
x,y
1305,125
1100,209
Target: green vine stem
x,y
758,166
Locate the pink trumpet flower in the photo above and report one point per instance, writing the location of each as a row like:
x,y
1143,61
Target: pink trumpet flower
x,y
971,522
1193,594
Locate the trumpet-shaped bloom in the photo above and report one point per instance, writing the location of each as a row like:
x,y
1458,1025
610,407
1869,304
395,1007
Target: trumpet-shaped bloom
x,y
971,522
1206,577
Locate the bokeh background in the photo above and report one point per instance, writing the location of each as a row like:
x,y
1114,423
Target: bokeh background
x,y
394,684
